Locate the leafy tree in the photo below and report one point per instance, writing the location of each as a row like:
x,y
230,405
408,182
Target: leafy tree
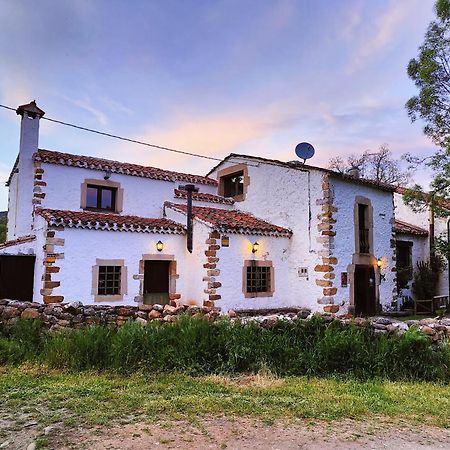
x,y
430,72
378,166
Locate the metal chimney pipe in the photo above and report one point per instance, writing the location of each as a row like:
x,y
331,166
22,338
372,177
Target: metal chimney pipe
x,y
189,188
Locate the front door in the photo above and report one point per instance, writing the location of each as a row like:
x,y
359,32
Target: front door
x,y
17,277
365,298
156,282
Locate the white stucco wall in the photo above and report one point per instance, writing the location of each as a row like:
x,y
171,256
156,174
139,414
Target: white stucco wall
x,y
345,194
289,198
12,208
141,196
79,258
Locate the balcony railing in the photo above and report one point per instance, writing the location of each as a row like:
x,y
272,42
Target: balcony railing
x,y
364,246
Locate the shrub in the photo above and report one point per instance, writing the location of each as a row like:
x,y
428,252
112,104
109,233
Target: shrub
x,y
196,346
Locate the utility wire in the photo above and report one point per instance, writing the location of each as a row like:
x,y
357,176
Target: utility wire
x,y
168,149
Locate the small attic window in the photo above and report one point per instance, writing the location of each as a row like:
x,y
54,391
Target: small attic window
x,y
233,184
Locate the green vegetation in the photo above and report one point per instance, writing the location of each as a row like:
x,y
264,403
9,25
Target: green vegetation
x,y
197,347
2,226
91,398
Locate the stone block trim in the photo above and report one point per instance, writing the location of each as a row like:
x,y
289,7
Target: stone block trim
x,y
212,272
326,236
52,253
38,191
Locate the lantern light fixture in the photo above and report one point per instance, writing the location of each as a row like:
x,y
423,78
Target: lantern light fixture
x,y
255,247
379,262
159,246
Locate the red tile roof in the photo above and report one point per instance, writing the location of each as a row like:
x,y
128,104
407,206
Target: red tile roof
x,y
204,197
110,222
232,221
407,228
19,240
90,162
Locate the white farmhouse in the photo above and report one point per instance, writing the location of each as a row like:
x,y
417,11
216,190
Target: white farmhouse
x,y
266,234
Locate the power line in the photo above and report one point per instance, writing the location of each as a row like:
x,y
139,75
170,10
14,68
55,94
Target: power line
x,y
168,149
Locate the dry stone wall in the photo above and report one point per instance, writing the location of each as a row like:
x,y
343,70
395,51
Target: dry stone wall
x,y
76,315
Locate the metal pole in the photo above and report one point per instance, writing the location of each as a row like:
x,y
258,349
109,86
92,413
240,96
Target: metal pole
x,y
448,258
189,188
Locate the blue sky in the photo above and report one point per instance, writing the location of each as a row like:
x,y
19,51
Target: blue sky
x,y
212,77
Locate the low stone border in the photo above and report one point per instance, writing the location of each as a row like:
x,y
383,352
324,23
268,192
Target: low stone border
x,y
76,315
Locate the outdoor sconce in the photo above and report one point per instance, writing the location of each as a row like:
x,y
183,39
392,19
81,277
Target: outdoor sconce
x,y
107,174
255,247
159,246
379,265
225,241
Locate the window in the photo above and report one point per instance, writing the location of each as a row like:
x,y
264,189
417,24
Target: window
x,y
100,198
404,263
109,280
233,185
233,182
101,195
363,229
258,279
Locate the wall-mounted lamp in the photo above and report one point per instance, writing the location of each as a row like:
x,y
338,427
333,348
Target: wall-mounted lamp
x,y
379,265
159,246
255,247
107,175
225,241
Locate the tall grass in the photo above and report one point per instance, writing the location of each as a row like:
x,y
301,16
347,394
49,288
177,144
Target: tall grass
x,y
196,346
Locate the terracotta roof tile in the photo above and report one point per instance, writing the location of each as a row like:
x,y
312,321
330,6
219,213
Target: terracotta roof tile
x,y
110,222
204,197
232,221
407,228
19,240
90,162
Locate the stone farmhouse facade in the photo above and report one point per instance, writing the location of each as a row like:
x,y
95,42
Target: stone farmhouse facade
x,y
266,234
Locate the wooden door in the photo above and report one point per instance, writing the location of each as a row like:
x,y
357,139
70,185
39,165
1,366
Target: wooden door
x,y
156,282
17,277
365,294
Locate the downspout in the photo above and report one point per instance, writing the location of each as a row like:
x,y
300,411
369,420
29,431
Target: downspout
x,y
189,188
431,229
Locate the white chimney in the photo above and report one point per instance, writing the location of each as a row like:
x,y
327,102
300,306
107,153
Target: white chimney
x,y
29,137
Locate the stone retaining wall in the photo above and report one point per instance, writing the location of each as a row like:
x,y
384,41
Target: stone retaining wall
x,y
76,315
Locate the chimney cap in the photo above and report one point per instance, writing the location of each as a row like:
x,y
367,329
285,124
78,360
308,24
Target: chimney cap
x,y
31,109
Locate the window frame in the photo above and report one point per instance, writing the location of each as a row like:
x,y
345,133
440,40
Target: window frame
x,y
271,288
102,185
229,172
100,189
96,278
404,273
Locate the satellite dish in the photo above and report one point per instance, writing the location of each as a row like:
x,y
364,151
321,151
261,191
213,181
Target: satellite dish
x,y
304,151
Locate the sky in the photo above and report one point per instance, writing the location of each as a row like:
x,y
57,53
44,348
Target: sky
x,y
212,77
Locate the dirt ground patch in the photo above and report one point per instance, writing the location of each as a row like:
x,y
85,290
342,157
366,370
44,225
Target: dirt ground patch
x,y
238,433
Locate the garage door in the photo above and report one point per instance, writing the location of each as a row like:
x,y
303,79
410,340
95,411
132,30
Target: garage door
x,y
16,277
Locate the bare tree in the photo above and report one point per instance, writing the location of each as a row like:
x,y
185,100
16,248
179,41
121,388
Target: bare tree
x,y
378,166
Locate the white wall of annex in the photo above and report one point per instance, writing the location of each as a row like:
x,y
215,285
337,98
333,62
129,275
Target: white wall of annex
x,y
345,194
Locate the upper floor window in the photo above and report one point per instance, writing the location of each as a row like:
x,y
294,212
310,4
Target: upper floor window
x,y
101,195
233,184
234,181
101,198
363,228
